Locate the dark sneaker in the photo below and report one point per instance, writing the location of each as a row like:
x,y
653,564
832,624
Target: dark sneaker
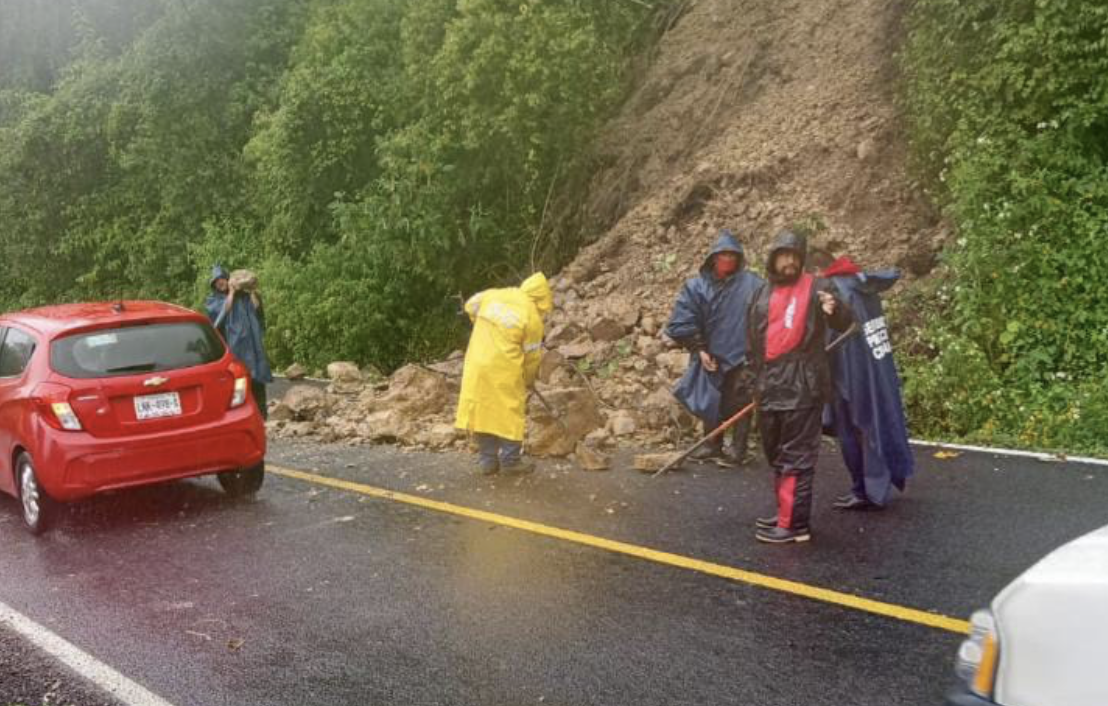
x,y
780,535
518,468
707,451
853,502
727,458
767,522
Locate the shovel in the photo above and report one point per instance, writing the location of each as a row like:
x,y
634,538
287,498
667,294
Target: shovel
x,y
550,409
745,410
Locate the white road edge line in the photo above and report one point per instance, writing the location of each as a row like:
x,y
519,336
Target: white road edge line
x,y
100,674
1038,455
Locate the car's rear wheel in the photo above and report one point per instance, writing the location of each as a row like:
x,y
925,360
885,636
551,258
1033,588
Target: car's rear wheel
x,y
38,508
243,482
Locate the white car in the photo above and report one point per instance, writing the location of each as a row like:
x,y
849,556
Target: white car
x,y
1044,640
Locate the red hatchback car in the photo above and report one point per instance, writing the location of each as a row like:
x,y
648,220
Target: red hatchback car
x,y
100,396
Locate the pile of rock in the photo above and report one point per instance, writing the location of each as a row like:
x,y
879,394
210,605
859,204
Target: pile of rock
x,y
604,382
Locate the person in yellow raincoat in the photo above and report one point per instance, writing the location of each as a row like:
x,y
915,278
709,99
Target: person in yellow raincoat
x,y
501,363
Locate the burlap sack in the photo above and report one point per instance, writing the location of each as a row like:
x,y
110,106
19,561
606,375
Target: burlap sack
x,y
244,281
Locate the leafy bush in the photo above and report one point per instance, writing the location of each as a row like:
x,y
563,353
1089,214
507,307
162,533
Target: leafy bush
x,y
373,160
1009,102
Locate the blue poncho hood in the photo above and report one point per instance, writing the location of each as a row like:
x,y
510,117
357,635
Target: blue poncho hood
x,y
217,273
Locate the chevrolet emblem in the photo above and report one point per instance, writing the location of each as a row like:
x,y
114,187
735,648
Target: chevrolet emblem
x,y
154,382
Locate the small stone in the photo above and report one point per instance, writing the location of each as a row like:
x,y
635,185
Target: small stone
x,y
580,348
674,362
598,437
866,150
648,347
607,330
590,459
651,463
622,423
295,371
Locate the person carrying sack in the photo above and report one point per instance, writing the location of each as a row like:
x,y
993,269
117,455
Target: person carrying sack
x,y
235,310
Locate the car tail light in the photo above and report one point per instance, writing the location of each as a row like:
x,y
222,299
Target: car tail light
x,y
239,395
64,414
52,401
242,382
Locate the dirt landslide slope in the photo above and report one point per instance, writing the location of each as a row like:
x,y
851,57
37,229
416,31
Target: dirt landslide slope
x,y
752,115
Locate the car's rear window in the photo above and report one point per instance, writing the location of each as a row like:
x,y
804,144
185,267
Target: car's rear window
x,y
135,349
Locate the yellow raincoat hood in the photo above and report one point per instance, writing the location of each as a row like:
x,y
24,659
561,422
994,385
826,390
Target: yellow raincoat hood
x,y
538,290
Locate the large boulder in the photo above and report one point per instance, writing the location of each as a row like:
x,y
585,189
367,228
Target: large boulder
x,y
346,378
413,391
577,415
342,370
389,425
305,401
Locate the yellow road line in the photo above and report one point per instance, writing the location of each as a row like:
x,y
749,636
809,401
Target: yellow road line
x,y
845,600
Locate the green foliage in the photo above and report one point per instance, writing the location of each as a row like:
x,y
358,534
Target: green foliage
x,y
372,160
1010,108
113,176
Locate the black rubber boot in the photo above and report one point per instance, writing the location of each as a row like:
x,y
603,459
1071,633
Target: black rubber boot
x,y
780,535
853,502
734,452
770,521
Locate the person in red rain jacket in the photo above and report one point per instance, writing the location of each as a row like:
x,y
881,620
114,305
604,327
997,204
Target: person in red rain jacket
x,y
786,334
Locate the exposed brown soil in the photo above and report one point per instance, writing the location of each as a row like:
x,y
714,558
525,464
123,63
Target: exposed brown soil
x,y
753,115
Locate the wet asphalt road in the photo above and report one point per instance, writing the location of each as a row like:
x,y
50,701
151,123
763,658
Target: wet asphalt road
x,y
316,595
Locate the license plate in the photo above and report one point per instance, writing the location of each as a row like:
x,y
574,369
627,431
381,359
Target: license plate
x,y
166,404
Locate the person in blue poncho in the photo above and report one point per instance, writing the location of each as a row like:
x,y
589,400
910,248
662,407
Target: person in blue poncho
x,y
709,320
867,414
239,316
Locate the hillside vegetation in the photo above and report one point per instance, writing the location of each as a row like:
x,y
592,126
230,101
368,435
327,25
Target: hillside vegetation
x,y
372,159
1009,107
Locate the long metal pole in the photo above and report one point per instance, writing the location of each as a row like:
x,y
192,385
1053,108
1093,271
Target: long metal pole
x,y
744,411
